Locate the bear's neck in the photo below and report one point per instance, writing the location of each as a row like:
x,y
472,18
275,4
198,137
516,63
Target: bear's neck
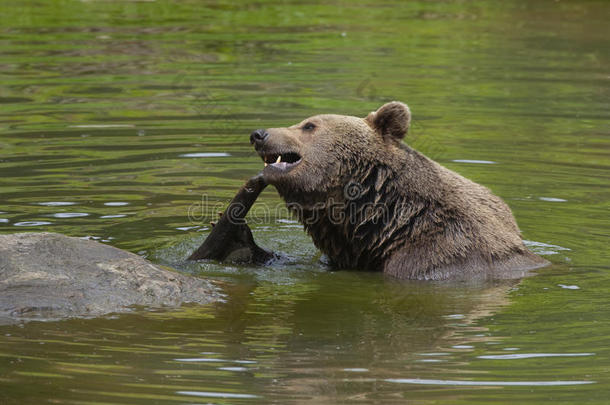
x,y
360,225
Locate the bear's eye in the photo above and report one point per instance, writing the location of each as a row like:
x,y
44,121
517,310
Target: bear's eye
x,y
309,126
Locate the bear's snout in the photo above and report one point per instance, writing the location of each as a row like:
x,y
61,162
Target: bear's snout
x,y
258,137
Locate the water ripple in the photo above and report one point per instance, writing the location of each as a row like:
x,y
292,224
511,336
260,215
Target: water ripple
x,y
423,381
206,394
480,162
531,355
205,154
56,203
207,360
32,223
70,215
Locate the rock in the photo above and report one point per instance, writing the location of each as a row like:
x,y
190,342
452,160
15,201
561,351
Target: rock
x,y
48,276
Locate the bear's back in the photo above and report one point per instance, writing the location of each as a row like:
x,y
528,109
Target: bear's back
x,y
475,233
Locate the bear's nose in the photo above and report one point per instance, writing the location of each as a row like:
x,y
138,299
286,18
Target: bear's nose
x,y
258,136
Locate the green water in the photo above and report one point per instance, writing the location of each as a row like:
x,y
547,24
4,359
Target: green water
x,y
103,103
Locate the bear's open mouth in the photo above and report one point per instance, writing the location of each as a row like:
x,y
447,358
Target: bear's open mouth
x,y
281,161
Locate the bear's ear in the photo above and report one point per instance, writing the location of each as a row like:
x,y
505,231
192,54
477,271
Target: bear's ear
x,y
391,120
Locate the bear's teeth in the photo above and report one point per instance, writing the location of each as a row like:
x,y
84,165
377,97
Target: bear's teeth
x,y
279,159
265,164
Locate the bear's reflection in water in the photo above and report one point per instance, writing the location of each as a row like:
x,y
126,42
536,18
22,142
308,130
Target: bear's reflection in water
x,y
321,337
314,334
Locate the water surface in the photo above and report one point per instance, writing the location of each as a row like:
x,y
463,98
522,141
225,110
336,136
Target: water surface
x,y
127,122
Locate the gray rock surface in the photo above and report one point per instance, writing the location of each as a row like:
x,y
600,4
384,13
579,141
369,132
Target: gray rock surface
x,y
46,276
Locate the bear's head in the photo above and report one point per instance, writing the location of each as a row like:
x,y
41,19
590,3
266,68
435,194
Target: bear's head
x,y
325,152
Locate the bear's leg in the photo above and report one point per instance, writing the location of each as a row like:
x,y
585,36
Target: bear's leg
x,y
231,238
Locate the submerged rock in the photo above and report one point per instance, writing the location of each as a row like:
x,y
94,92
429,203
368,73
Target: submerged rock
x,y
46,276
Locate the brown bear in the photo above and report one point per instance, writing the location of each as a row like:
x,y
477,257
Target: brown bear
x,y
371,202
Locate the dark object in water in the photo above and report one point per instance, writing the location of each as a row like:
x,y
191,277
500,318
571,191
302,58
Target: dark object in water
x,y
231,238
